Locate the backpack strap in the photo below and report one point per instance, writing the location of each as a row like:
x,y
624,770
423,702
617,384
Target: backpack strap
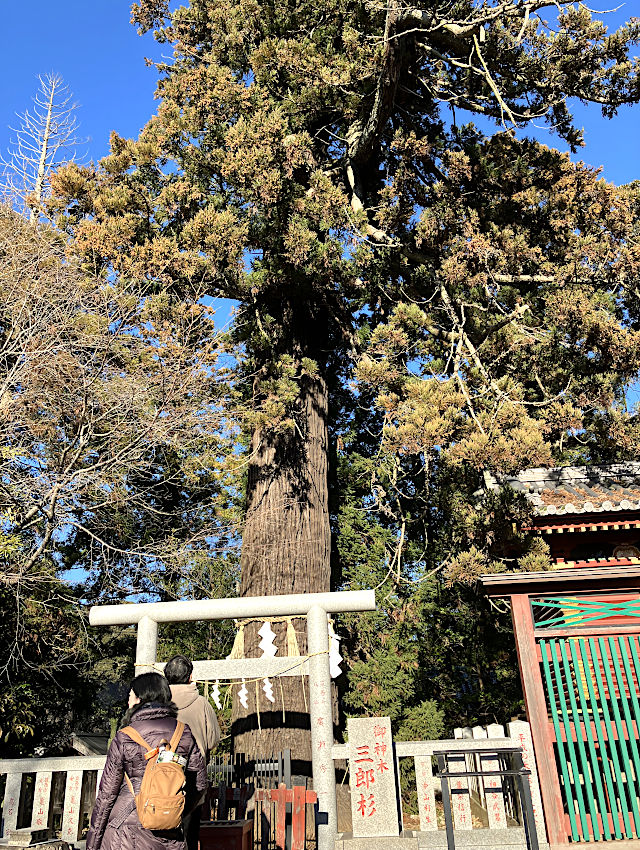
x,y
129,783
177,735
132,733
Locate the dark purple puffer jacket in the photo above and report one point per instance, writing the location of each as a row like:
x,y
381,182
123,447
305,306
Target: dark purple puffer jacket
x,y
114,822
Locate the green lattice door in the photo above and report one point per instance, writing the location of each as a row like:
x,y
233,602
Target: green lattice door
x,y
591,678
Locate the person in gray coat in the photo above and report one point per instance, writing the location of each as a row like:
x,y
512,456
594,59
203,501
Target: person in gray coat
x,y
197,712
193,709
114,822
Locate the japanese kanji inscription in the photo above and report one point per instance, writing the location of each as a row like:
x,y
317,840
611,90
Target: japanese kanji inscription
x,y
372,773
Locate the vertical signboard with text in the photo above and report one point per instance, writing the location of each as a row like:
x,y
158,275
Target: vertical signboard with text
x,y
372,777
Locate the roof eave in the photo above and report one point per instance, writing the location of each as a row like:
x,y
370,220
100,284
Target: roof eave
x,y
501,585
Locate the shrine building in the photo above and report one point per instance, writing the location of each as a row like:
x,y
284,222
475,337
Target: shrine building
x,y
586,514
577,633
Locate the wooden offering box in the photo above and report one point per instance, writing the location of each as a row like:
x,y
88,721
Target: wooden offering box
x,y
226,835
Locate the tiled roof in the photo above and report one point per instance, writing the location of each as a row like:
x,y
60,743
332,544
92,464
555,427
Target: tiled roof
x,y
576,489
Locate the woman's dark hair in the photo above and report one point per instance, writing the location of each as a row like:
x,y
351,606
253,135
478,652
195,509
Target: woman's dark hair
x,y
178,670
151,687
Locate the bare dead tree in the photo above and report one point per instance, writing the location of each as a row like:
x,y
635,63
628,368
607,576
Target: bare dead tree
x,y
45,138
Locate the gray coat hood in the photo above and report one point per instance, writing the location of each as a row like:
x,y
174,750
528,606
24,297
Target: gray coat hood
x,y
184,695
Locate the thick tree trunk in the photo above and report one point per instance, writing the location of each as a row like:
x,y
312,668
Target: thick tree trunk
x,y
285,549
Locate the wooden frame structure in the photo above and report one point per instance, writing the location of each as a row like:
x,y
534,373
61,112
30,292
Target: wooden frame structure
x,y
577,634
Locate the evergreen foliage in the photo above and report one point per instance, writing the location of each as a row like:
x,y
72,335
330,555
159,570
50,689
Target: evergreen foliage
x,y
417,301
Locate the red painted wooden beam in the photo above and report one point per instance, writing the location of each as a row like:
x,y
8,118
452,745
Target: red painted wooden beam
x,y
537,716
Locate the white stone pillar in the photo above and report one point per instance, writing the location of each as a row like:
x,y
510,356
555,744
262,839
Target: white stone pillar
x,y
147,645
41,800
11,802
71,811
426,794
493,785
460,802
321,713
520,732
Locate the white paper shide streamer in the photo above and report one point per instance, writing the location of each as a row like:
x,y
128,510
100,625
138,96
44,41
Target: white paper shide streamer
x,y
215,693
266,644
243,693
335,659
269,650
267,687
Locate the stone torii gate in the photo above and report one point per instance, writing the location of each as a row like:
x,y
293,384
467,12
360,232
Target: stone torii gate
x,y
315,607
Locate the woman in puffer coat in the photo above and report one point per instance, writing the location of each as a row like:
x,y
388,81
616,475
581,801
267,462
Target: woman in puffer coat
x,y
114,823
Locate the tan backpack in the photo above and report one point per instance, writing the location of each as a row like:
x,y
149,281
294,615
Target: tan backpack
x,y
160,803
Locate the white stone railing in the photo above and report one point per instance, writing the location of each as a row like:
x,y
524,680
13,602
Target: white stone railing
x,y
489,796
494,803
78,789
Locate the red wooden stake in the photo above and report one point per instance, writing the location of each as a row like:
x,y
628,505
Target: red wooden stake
x,y
299,796
298,819
280,797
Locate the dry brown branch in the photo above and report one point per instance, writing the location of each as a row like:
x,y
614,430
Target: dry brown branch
x,y
104,404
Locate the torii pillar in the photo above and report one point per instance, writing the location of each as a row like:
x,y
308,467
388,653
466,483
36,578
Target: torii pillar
x,y
315,607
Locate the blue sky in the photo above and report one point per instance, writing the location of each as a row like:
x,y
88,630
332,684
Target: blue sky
x,y
94,47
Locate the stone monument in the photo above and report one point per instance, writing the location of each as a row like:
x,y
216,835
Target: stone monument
x,y
372,778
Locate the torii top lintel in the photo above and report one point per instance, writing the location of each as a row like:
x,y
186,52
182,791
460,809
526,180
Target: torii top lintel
x,y
290,605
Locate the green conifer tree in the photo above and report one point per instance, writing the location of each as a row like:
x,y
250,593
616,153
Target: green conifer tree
x,y
402,281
